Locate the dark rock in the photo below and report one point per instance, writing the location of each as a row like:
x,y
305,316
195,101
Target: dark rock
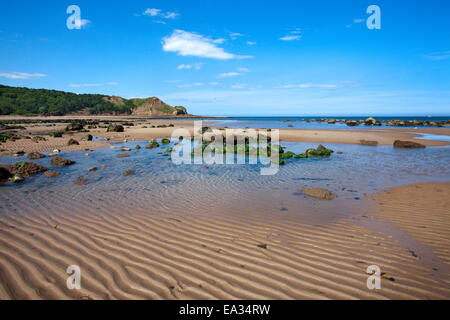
x,y
407,144
72,142
25,169
35,155
87,137
128,172
115,128
74,127
4,175
61,162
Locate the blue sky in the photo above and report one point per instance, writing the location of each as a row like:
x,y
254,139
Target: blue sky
x,y
237,57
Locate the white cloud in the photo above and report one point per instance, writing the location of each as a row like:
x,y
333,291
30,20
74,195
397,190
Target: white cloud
x,y
89,85
251,43
21,75
243,69
229,74
234,35
309,85
436,56
170,15
293,35
214,83
196,66
153,12
186,43
290,38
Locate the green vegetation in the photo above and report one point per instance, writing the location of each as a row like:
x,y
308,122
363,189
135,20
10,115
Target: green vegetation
x,y
29,102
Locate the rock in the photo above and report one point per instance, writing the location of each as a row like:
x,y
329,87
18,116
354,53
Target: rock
x,y
407,144
4,175
125,149
61,162
368,143
322,152
93,169
18,154
72,142
17,178
137,147
87,137
165,141
331,121
115,128
128,172
74,127
122,155
321,147
319,193
25,169
370,121
56,151
35,155
352,123
51,174
80,181
152,145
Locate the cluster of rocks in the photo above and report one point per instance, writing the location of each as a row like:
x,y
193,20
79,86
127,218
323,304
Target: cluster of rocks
x,y
392,123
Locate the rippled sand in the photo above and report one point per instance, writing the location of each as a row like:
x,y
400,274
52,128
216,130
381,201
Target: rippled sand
x,y
196,232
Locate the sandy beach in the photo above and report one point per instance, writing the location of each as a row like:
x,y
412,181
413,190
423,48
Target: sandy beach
x,y
130,253
142,130
169,240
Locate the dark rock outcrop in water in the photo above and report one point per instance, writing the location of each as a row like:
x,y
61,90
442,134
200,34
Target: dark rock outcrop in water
x,y
4,175
407,144
35,155
51,174
61,162
24,169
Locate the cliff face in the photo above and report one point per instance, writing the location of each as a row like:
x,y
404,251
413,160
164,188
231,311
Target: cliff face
x,y
154,107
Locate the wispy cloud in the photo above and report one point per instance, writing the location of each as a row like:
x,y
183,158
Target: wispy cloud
x,y
240,72
309,85
293,35
158,13
229,74
186,43
234,35
436,56
250,43
21,75
197,84
89,85
195,66
355,21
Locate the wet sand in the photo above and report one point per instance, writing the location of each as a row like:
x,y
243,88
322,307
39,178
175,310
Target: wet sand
x,y
142,131
129,252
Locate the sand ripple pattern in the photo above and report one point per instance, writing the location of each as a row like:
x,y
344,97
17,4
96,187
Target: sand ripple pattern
x,y
145,251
